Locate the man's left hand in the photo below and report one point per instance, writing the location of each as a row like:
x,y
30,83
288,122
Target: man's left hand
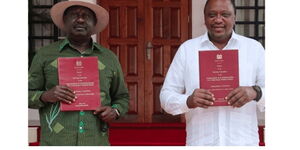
x,y
106,113
240,96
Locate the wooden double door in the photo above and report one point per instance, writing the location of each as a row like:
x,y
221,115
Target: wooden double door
x,y
145,35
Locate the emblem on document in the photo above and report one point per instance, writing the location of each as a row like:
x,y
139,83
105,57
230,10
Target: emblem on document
x,y
78,63
219,56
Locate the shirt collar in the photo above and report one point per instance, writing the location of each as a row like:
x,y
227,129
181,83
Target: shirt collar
x,y
66,42
233,38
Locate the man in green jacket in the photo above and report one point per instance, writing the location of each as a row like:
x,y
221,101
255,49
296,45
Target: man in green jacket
x,y
79,20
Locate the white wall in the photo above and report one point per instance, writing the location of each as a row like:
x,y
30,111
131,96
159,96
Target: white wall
x,y
33,117
198,26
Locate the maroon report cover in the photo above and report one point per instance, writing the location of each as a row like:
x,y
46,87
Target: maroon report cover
x,y
219,73
81,74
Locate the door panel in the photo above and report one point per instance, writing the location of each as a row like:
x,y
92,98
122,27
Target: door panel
x,y
125,37
166,28
132,25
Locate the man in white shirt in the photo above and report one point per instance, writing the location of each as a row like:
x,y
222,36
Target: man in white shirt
x,y
217,125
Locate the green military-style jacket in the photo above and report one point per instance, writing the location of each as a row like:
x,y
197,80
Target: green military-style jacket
x,y
74,127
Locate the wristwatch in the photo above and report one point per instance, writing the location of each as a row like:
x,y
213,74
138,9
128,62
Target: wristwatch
x,y
258,91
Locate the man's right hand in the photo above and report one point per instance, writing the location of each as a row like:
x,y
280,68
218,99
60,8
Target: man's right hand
x,y
200,98
59,93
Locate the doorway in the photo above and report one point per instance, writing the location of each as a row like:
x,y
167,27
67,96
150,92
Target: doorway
x,y
145,35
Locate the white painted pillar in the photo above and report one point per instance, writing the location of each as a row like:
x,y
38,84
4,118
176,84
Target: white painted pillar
x,y
198,25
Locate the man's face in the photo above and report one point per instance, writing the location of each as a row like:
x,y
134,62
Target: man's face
x,y
219,19
79,21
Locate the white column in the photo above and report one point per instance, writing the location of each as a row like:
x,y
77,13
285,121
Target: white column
x,y
198,25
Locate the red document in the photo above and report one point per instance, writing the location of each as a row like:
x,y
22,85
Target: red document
x,y
81,74
219,73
